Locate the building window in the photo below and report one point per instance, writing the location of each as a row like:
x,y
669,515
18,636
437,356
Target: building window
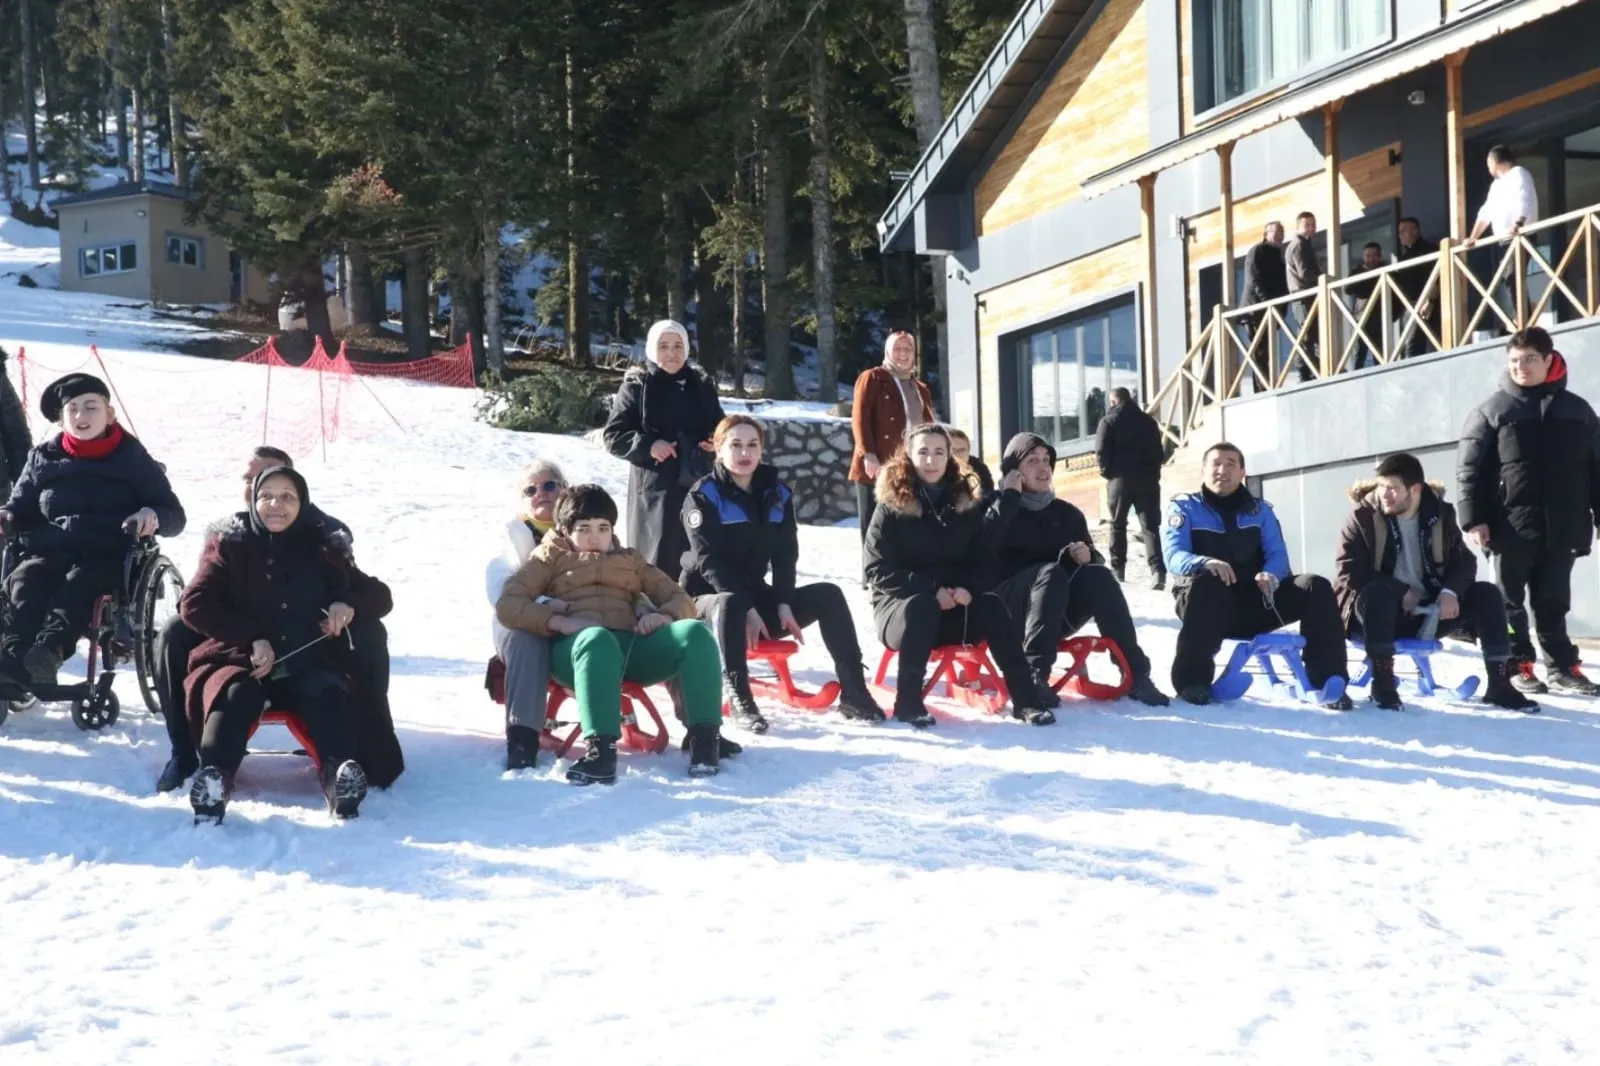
x,y
111,259
1257,43
1066,371
185,251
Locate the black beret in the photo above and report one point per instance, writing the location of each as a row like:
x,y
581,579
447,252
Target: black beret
x,y
63,390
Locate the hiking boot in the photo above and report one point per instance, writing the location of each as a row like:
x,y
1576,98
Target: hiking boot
x,y
209,794
742,705
177,771
726,749
522,747
598,765
704,752
1525,680
346,787
1344,703
1034,715
43,663
1571,682
1385,689
1199,695
1048,698
1144,691
856,703
1502,690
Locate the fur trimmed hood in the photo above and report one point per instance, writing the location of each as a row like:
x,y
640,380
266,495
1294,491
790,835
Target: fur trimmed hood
x,y
1364,491
896,487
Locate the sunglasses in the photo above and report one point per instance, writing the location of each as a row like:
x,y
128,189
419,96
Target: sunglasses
x,y
541,486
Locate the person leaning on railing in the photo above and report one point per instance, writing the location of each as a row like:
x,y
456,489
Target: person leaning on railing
x,y
1413,284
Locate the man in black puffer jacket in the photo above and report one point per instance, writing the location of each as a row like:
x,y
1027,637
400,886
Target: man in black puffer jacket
x,y
1528,470
1052,579
1130,450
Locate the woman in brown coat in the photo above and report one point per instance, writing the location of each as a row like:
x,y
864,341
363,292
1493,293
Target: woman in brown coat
x,y
273,597
888,400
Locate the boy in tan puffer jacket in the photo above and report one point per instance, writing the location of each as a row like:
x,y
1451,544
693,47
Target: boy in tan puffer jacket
x,y
612,617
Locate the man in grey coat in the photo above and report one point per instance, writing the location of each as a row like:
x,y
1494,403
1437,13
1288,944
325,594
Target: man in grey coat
x,y
1304,268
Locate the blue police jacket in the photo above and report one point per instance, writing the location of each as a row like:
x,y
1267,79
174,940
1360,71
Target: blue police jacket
x,y
1249,538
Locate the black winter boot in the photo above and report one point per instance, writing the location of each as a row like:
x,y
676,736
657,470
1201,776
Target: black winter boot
x,y
43,664
346,787
856,702
1385,689
1199,695
1144,691
598,765
726,748
912,711
1502,690
704,752
209,794
742,705
1047,697
177,771
522,747
1033,715
1158,580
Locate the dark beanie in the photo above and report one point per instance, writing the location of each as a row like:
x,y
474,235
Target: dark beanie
x,y
64,390
1019,446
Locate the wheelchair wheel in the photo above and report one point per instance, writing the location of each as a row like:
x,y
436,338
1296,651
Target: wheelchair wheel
x,y
156,602
95,711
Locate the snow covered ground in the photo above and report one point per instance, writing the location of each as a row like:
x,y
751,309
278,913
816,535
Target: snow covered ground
x,y
1259,883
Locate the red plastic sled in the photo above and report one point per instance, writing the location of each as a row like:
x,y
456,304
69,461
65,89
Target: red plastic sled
x,y
297,729
1076,679
633,696
776,653
969,675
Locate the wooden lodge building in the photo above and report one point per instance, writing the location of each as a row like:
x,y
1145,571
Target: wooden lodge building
x,y
1096,188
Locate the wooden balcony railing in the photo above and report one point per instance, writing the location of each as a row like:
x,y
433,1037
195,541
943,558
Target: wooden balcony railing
x,y
1549,271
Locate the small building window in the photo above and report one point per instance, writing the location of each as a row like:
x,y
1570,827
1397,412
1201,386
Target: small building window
x,y
1066,371
1253,44
110,259
185,251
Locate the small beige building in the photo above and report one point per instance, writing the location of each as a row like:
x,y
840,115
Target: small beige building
x,y
134,240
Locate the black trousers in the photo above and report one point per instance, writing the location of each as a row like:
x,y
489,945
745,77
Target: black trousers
x,y
1544,574
1380,618
326,711
822,604
1142,496
1417,343
1048,602
1211,612
176,642
866,503
915,626
49,600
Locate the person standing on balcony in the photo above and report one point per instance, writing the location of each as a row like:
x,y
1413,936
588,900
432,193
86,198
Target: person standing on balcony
x,y
1264,279
1511,206
1529,474
1304,268
1362,291
1131,452
1413,284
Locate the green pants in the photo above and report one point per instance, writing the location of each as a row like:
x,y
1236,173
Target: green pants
x,y
594,663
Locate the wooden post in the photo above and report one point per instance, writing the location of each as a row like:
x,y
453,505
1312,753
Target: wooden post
x,y
1330,169
1225,214
1454,145
1147,233
1449,305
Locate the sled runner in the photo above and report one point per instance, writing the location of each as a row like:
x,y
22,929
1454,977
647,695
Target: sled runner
x,y
1076,678
781,687
969,675
1236,678
1420,653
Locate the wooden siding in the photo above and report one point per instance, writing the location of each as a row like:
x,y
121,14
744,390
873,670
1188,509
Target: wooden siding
x,y
1094,114
1554,91
1364,180
1037,299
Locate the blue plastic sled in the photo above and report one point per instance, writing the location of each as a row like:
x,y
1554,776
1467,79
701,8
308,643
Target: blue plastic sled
x,y
1419,652
1236,678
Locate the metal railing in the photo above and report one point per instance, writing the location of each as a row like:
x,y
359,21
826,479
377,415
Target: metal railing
x,y
1550,271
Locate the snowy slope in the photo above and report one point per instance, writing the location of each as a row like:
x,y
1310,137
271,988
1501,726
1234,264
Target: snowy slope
x,y
1256,883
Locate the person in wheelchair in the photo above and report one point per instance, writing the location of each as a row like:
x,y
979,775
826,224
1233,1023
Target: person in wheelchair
x,y
612,617
740,521
926,552
71,512
274,598
369,656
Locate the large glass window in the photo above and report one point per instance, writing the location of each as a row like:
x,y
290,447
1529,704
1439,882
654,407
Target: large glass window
x,y
1068,369
1255,43
112,259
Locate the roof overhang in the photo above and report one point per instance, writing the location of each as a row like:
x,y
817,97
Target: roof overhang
x,y
1364,72
124,191
1025,53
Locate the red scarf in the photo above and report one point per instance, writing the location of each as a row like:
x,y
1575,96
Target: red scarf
x,y
99,448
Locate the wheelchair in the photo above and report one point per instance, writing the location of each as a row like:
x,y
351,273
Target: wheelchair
x,y
123,628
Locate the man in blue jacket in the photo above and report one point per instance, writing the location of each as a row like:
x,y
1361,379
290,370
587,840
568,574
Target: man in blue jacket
x,y
1225,552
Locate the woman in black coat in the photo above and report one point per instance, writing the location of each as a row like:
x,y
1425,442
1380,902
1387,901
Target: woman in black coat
x,y
740,523
924,549
661,422
15,440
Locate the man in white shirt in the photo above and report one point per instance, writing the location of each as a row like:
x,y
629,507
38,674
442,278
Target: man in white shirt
x,y
1512,204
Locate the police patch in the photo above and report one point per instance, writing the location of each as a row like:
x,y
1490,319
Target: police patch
x,y
695,518
1175,520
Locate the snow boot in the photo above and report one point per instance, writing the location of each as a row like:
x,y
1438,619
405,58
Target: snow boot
x,y
598,765
1144,691
1343,703
1526,681
1570,682
1047,697
522,747
742,705
856,702
1158,580
177,771
345,787
1199,695
43,663
913,712
1502,690
1033,715
704,752
1385,689
1122,573
209,794
726,748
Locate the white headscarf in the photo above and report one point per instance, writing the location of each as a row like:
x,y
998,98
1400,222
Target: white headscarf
x,y
657,331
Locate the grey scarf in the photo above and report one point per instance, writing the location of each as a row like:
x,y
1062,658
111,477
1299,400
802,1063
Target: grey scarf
x,y
1037,501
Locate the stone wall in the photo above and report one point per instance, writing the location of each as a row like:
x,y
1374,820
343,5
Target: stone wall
x,y
813,458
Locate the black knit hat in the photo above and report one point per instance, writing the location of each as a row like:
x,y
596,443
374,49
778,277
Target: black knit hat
x,y
64,390
1018,447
